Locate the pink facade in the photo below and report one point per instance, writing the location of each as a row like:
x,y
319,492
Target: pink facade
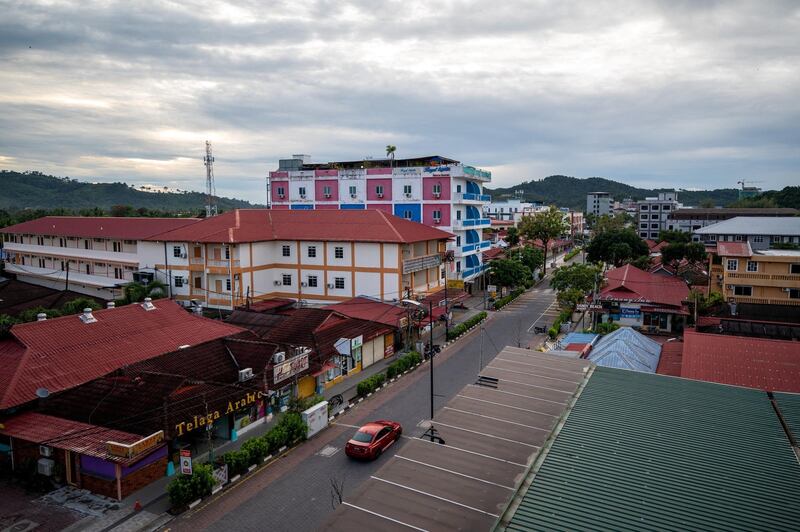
x,y
326,206
443,211
277,187
379,171
279,174
331,184
281,207
326,173
428,184
372,184
385,207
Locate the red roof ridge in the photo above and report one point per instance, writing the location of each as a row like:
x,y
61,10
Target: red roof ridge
x,y
391,225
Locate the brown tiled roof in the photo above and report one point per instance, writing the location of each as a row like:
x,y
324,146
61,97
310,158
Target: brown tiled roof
x,y
99,227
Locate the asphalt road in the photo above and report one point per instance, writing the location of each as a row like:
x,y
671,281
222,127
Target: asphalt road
x,y
296,493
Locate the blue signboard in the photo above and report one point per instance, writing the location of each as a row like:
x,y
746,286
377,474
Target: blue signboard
x,y
630,312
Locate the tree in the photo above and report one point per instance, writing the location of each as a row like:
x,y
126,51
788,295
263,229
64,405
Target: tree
x,y
576,276
32,313
545,226
6,322
134,292
512,238
674,236
531,257
707,204
509,272
77,305
606,222
390,150
616,247
674,253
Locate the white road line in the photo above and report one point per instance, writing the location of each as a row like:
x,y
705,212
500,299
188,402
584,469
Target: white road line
x,y
519,394
434,496
532,374
504,405
384,517
453,472
535,386
488,435
476,453
346,425
533,357
540,316
497,419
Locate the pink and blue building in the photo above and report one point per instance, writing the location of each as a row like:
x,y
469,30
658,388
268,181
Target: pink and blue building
x,y
436,191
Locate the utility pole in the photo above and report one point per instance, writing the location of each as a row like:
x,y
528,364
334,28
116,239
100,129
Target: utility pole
x,y
66,284
480,352
430,305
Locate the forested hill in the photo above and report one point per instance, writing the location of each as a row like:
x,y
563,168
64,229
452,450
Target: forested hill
x,y
33,190
567,191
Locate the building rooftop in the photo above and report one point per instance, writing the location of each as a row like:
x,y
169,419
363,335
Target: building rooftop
x,y
98,227
754,225
734,249
762,363
61,353
779,252
429,160
366,308
261,225
626,348
17,296
629,283
691,212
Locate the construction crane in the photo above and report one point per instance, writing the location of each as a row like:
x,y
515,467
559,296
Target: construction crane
x,y
743,183
211,188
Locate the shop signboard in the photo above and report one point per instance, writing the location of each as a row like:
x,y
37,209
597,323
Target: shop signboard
x,y
289,368
186,462
455,283
436,171
388,351
129,450
407,171
357,173
202,420
633,313
316,418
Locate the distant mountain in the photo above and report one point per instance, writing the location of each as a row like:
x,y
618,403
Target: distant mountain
x,y
571,192
34,190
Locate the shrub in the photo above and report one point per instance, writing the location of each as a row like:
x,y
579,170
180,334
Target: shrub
x,y
184,489
571,254
552,332
237,462
503,301
256,450
605,328
461,328
370,384
391,371
300,405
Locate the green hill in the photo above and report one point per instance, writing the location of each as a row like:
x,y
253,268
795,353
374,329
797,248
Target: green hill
x,y
34,190
571,192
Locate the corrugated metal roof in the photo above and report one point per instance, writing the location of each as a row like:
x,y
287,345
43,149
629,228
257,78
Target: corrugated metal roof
x,y
647,452
754,225
579,338
789,405
627,349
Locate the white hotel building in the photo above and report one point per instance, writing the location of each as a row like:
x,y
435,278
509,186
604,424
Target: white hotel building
x,y
436,191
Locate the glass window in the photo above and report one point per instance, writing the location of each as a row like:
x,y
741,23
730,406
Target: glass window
x,y
227,253
666,207
437,188
379,190
752,266
654,217
643,226
338,283
286,251
743,291
312,251
407,215
353,190
643,235
458,188
176,251
458,265
302,191
178,282
458,214
655,207
794,268
738,238
406,189
281,191
458,241
644,207
732,265
437,215
338,252
758,238
653,226
362,437
326,190
312,281
794,293
286,279
228,284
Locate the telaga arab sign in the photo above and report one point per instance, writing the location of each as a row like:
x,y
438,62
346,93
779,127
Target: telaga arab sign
x,y
203,420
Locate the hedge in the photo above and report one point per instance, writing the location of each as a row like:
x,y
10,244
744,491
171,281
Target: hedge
x,y
461,328
370,384
571,254
563,317
403,364
503,301
184,489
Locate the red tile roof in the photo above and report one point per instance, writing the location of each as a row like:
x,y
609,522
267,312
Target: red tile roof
x,y
99,227
655,247
259,225
367,309
772,365
629,283
61,353
82,438
493,253
671,357
734,249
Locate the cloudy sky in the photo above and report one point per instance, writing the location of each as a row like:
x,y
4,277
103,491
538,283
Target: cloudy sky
x,y
687,93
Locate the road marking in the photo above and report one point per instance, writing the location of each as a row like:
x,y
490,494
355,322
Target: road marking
x,y
531,374
496,419
533,386
328,451
488,435
453,472
540,316
504,405
476,453
519,394
434,496
346,425
376,514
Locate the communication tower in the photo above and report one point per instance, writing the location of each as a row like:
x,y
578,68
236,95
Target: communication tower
x,y
211,188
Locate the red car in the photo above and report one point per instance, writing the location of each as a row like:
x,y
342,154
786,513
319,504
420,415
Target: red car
x,y
372,439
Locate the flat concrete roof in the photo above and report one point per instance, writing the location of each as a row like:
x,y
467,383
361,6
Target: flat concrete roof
x,y
492,438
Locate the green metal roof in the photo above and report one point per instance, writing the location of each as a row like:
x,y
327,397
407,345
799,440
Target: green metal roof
x,y
645,452
789,405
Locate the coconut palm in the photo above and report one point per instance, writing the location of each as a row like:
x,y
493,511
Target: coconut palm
x,y
390,149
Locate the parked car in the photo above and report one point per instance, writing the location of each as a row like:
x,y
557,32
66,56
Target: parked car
x,y
372,439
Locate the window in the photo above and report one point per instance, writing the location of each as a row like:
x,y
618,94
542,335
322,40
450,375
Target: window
x,y
407,215
643,226
712,238
312,281
326,191
407,189
353,191
176,251
738,238
458,214
227,253
116,246
643,235
312,251
794,293
654,217
732,265
653,226
437,216
752,266
758,238
302,192
666,207
198,282
118,274
88,268
87,246
228,284
655,207
458,188
281,192
338,283
794,268
41,263
437,189
338,252
644,207
286,251
743,291
40,240
179,282
458,241
286,279
379,190
458,265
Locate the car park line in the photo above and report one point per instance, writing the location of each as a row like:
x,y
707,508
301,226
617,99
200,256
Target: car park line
x,y
504,405
526,373
536,386
495,419
426,494
376,514
570,372
468,451
488,435
520,394
453,472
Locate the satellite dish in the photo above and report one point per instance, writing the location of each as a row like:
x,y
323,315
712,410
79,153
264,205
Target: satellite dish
x,y
42,393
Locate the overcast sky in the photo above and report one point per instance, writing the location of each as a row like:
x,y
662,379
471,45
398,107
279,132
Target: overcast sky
x,y
686,93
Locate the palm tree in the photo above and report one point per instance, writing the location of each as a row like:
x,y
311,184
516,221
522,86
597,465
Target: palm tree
x,y
390,149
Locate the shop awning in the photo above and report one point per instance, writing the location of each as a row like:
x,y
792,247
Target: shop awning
x,y
665,310
330,364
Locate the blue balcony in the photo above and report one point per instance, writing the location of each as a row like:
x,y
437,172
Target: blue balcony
x,y
472,222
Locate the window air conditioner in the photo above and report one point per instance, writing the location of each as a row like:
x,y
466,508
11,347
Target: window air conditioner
x,y
380,194
437,220
302,196
281,196
278,283
787,289
327,195
408,194
45,467
279,357
245,374
330,285
304,284
436,195
728,287
46,451
353,196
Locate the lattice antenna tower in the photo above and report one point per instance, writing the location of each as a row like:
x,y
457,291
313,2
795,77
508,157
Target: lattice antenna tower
x,y
211,188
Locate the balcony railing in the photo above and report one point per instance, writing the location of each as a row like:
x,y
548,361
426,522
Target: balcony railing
x,y
764,276
470,196
472,222
197,260
224,263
